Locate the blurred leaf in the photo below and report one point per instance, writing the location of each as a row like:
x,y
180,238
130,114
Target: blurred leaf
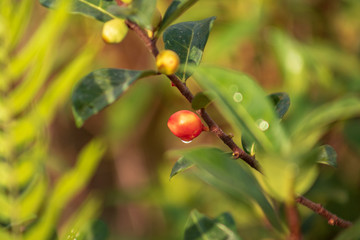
x,y
181,165
142,12
231,176
327,155
129,111
201,100
101,88
200,227
352,233
176,8
188,40
282,103
92,8
70,184
98,231
245,105
352,132
83,222
309,128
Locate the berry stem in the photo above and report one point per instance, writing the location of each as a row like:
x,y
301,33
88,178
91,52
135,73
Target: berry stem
x,y
214,127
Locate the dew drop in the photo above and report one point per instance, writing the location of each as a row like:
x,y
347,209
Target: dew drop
x,y
262,124
238,97
186,141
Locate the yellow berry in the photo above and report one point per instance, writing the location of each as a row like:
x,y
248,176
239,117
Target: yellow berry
x,y
114,31
127,1
167,62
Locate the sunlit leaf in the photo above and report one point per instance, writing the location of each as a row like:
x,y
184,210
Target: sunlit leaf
x,y
201,100
181,165
188,40
282,103
200,227
66,188
231,176
101,88
245,105
327,155
176,8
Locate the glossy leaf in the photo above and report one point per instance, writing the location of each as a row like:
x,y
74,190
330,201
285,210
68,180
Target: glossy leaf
x,y
101,88
188,40
176,8
245,105
92,8
181,165
200,227
327,155
201,100
230,176
282,103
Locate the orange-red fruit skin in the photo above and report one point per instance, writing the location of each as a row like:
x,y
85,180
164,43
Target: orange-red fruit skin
x,y
185,125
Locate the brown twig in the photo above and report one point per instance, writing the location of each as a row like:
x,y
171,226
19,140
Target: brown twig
x,y
292,216
319,209
213,127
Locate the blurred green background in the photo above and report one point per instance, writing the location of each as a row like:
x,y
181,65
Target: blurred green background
x,y
307,48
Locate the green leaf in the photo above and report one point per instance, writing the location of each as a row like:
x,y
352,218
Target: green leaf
x,y
92,8
282,103
221,170
352,132
142,12
327,155
201,100
200,227
352,233
101,88
176,8
309,128
188,40
245,105
181,165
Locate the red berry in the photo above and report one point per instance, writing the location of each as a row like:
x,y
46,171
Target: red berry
x,y
185,125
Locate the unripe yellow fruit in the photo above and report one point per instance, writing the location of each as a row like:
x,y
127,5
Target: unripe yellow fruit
x,y
114,31
127,1
167,62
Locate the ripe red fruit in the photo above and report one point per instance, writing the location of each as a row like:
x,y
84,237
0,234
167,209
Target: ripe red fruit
x,y
185,125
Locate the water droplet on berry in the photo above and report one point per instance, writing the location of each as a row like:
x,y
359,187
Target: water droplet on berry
x,y
238,97
262,124
187,142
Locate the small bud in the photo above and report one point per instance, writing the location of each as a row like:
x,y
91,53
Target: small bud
x,y
167,62
185,125
114,31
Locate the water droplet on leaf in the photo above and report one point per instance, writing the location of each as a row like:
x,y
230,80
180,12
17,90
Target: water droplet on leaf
x,y
238,97
262,124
